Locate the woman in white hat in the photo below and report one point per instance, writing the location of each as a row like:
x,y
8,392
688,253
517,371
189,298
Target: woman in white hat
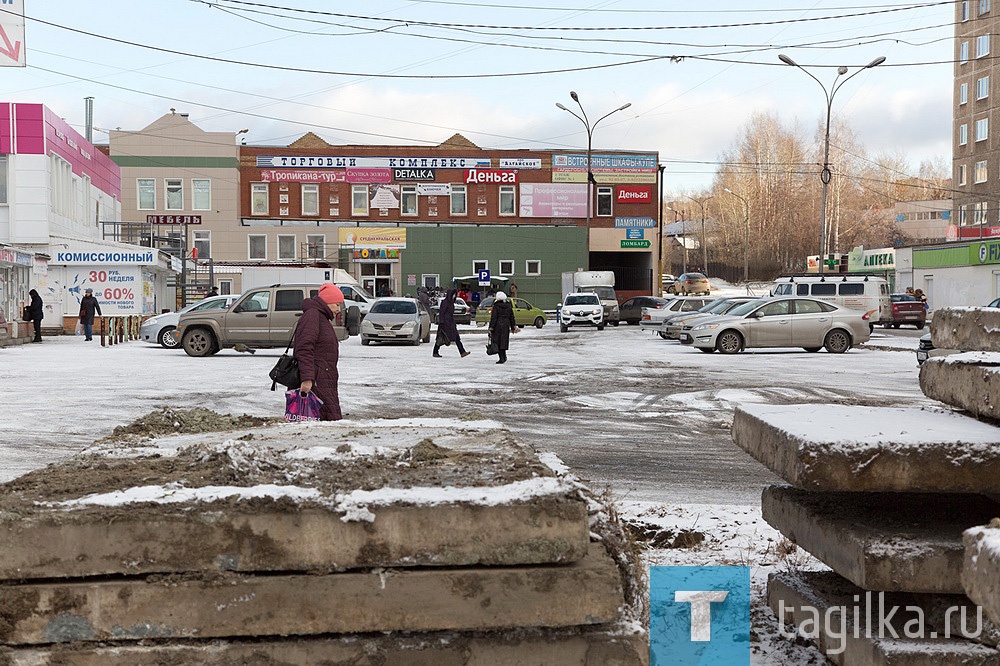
x,y
502,324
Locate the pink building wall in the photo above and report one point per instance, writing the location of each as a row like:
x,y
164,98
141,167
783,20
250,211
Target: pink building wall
x,y
33,129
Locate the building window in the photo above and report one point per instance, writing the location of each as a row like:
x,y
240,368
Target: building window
x,y
359,199
982,46
459,200
146,192
963,93
982,129
506,267
965,10
286,247
961,174
201,194
61,187
480,265
315,246
979,172
175,194
984,6
408,200
963,52
963,216
983,87
507,198
258,199
310,199
533,267
203,244
604,201
963,134
256,247
225,287
979,211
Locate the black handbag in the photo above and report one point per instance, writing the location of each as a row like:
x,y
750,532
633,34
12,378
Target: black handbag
x,y
286,370
26,314
492,349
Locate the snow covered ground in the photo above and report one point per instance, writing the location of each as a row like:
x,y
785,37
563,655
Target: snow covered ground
x,y
61,395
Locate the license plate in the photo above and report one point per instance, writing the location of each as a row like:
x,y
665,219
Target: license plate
x,y
386,334
684,337
921,356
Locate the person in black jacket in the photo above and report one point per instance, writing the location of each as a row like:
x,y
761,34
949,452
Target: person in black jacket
x,y
35,313
447,331
502,324
88,307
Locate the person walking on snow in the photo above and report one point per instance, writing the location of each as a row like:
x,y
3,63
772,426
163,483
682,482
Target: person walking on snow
x,y
502,324
318,349
447,329
35,313
88,307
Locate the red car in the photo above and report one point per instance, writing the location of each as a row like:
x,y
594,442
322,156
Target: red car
x,y
907,309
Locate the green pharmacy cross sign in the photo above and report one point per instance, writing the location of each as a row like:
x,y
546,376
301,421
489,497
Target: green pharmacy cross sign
x,y
635,243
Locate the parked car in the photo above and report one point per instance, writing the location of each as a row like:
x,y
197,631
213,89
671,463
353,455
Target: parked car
x,y
926,348
262,318
780,321
160,328
525,314
395,319
672,326
631,310
690,283
581,309
463,313
907,309
652,318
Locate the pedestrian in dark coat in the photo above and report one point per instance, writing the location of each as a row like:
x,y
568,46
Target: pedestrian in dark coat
x,y
35,313
88,308
502,324
318,349
447,329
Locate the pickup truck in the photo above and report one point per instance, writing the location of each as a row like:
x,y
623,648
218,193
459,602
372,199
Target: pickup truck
x,y
262,318
907,309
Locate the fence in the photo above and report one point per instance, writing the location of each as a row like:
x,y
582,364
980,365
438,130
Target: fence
x,y
118,329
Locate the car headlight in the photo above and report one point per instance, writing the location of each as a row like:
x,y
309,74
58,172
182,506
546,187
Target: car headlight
x,y
565,313
704,327
367,325
597,311
409,326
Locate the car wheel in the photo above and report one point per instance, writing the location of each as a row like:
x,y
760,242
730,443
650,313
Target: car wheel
x,y
416,343
614,323
812,350
198,342
871,328
563,328
662,334
539,322
837,342
600,327
427,338
365,341
352,320
167,339
707,350
919,327
894,325
729,342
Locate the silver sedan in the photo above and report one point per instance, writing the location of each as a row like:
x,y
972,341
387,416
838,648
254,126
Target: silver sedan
x,y
396,319
783,322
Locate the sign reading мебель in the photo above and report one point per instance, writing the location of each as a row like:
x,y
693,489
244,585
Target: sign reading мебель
x,y
12,34
699,615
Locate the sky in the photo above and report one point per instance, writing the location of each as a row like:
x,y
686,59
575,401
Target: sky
x,y
414,72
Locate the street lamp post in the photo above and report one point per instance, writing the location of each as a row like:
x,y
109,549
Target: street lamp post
x,y
704,238
684,248
590,138
746,236
825,175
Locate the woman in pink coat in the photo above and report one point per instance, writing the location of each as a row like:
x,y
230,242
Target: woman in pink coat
x,y
318,349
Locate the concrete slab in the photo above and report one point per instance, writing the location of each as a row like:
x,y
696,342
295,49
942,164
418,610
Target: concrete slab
x,y
881,541
310,497
235,605
588,647
853,627
969,381
968,329
981,569
872,449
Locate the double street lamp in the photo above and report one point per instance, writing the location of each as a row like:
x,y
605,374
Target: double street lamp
x,y
590,137
825,174
746,237
704,239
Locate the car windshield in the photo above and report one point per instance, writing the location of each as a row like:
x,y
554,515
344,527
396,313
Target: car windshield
x,y
604,293
581,299
487,303
694,276
718,305
749,306
899,298
394,307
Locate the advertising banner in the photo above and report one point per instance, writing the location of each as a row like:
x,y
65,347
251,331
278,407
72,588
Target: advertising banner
x,y
373,237
275,176
553,200
606,168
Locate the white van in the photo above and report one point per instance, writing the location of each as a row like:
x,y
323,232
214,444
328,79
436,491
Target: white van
x,y
867,293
